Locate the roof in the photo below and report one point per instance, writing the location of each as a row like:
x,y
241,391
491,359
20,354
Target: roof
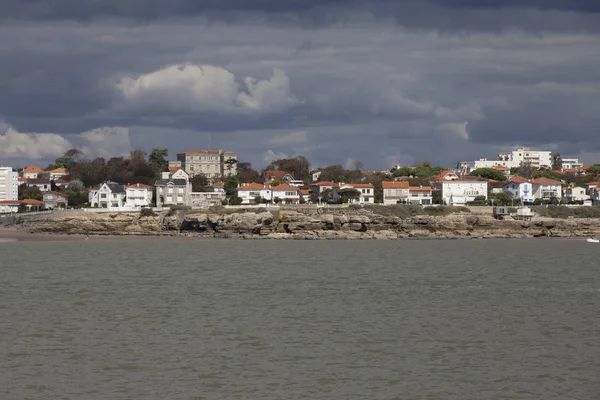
x,y
501,167
138,186
253,186
36,181
284,187
165,182
56,193
11,202
201,152
58,171
276,174
462,181
574,187
32,202
595,183
445,172
417,188
173,169
361,185
217,184
115,187
57,181
22,179
394,185
33,169
517,179
546,181
305,192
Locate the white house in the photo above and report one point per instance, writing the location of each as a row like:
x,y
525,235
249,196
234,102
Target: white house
x,y
288,194
9,184
537,158
576,193
520,189
366,192
395,192
109,195
447,175
43,184
595,196
250,191
138,195
571,163
55,200
420,195
459,192
546,189
31,172
56,173
9,206
319,187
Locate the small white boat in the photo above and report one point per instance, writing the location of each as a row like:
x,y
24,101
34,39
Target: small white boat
x,y
592,240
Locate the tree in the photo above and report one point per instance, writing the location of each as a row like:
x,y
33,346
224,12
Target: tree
x,y
229,164
489,173
69,159
75,185
548,174
436,197
526,170
276,200
298,167
158,159
230,186
557,163
326,196
246,174
258,200
199,182
349,195
32,192
333,173
358,165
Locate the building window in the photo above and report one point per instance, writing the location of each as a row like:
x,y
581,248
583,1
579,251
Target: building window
x,y
103,196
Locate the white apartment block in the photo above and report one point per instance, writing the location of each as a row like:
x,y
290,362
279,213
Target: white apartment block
x,y
9,184
212,163
571,163
537,158
459,193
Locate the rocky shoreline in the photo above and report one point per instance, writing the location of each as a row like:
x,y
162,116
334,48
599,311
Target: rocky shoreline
x,y
306,225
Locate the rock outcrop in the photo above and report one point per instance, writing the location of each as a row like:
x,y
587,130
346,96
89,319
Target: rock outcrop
x,y
339,224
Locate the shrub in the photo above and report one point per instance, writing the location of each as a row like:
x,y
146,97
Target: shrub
x,y
147,212
400,210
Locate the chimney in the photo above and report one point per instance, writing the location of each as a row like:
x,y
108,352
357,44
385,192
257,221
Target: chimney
x,y
165,175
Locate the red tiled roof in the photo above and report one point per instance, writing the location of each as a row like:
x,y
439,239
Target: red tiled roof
x,y
56,193
361,185
33,169
60,181
252,186
394,185
276,174
517,179
35,181
325,183
58,171
546,181
417,188
284,187
9,202
212,152
173,169
32,202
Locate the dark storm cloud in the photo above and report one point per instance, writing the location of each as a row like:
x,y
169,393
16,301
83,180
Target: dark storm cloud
x,y
382,82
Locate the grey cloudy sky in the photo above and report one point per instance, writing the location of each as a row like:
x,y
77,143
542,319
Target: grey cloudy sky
x,y
383,82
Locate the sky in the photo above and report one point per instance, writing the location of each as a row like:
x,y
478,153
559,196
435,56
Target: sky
x,y
383,82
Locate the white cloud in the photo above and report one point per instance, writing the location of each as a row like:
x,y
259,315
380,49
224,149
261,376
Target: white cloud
x,y
101,142
189,88
270,156
292,138
107,142
36,146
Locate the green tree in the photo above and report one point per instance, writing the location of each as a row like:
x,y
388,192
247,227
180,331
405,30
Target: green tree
x,y
436,197
246,174
230,186
489,173
69,159
557,163
548,174
258,200
349,195
158,159
298,167
230,164
32,192
199,183
526,170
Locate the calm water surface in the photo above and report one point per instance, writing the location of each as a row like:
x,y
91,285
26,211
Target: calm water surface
x,y
163,318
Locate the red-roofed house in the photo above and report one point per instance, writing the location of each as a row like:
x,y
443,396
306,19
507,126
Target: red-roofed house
x,y
288,194
447,175
9,206
55,200
248,192
31,172
420,195
366,190
42,184
275,175
520,188
395,192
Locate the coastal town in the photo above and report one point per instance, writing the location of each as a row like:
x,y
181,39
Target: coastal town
x,y
203,178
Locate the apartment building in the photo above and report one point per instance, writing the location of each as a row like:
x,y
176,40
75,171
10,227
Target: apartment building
x,y
537,158
212,163
9,184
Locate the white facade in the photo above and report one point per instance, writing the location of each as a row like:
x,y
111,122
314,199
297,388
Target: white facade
x,y
366,192
459,193
110,195
537,158
520,190
9,184
546,189
395,192
205,199
288,194
576,193
571,163
248,193
595,196
138,195
420,195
